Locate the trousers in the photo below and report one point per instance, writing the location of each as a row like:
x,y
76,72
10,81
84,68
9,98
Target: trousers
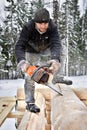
x,y
34,59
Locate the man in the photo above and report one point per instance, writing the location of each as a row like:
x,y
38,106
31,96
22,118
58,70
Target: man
x,y
38,44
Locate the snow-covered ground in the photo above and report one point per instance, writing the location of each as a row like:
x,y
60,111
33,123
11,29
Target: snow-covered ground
x,y
9,88
79,81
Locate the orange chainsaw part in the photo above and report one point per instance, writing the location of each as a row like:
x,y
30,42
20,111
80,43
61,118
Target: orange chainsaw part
x,y
30,70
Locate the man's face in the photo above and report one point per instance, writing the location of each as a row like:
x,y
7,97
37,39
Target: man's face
x,y
42,27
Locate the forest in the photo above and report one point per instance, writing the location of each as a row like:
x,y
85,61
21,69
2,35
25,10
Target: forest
x,y
72,29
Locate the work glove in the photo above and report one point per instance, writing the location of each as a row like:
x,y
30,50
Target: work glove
x,y
55,65
23,65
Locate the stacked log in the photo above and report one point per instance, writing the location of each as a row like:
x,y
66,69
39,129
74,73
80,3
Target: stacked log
x,y
65,112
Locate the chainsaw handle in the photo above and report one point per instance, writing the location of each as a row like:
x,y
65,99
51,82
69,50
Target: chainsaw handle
x,y
45,65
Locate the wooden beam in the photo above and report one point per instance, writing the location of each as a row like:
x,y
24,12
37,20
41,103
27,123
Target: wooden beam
x,y
7,98
16,114
6,105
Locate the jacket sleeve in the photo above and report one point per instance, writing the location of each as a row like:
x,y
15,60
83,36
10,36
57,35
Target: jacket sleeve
x,y
55,44
20,46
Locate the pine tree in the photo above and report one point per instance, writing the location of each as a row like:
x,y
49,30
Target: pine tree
x,y
17,14
71,36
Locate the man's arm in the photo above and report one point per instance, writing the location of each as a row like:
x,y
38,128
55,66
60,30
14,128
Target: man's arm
x,y
20,46
55,50
55,44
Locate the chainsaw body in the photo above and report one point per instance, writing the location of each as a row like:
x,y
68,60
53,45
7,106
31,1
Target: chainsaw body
x,y
38,74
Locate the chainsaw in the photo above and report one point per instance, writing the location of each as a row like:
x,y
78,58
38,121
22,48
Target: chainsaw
x,y
41,75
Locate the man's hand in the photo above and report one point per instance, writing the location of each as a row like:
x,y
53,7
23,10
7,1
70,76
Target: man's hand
x,y
23,65
55,65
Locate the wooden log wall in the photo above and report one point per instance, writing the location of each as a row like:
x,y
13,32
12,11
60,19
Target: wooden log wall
x,y
42,120
65,112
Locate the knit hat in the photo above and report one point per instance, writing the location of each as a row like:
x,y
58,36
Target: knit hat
x,y
42,16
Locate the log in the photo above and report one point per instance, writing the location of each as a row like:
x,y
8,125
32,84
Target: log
x,y
16,114
31,121
48,127
84,101
20,94
48,105
21,105
48,117
44,90
80,92
67,111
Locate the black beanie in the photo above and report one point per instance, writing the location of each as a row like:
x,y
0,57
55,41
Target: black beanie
x,y
42,16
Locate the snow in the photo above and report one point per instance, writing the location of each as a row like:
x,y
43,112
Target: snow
x,y
9,88
79,81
